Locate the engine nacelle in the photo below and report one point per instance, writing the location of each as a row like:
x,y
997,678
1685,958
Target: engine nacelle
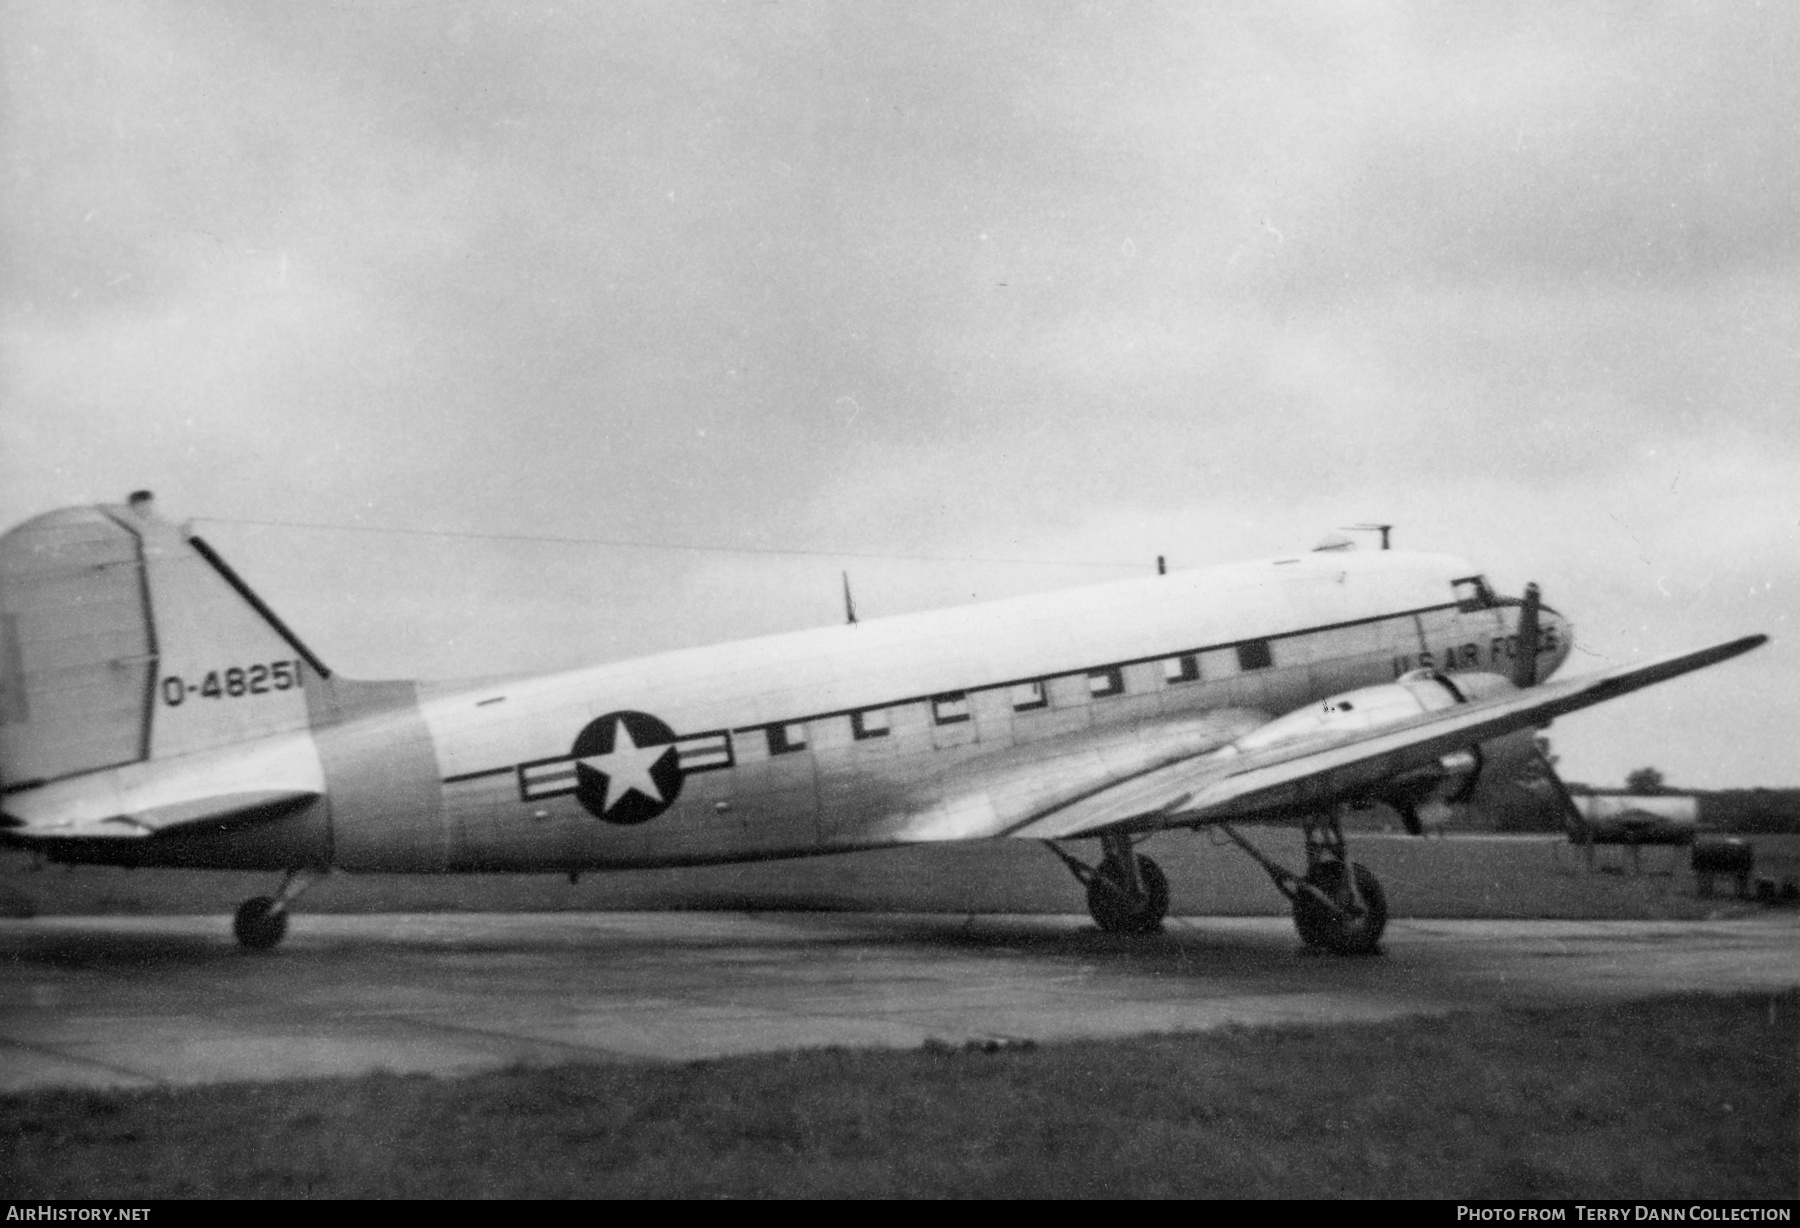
x,y
1452,778
1449,780
1369,708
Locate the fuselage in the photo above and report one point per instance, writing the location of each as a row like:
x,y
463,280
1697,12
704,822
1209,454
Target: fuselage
x,y
855,735
877,733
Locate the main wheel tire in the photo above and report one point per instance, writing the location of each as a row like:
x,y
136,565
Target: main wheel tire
x,y
1320,927
257,925
1116,911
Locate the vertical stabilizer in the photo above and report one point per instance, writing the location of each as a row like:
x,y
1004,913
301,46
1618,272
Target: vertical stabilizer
x,y
122,638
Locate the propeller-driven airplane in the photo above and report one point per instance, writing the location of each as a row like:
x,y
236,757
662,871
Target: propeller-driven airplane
x,y
155,712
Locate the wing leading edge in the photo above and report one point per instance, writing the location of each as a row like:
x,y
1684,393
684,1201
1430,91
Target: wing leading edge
x,y
1225,785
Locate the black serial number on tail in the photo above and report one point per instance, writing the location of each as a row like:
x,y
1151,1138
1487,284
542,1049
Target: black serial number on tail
x,y
233,683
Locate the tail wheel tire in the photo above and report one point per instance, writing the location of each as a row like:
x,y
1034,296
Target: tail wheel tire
x,y
258,925
1356,934
1117,911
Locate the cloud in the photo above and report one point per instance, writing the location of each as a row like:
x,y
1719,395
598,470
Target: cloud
x,y
964,281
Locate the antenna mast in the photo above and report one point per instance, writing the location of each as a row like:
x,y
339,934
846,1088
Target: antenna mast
x,y
1383,529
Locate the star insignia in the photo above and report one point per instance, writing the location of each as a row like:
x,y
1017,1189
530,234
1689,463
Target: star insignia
x,y
627,766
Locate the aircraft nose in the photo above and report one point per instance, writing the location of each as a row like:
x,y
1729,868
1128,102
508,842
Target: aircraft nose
x,y
1555,641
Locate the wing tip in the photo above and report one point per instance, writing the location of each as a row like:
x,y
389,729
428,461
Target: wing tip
x,y
1737,647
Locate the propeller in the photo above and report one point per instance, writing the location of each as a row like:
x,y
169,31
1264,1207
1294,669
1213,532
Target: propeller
x,y
1525,664
1543,779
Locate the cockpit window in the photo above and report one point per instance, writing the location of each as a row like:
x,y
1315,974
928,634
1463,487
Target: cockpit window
x,y
1473,593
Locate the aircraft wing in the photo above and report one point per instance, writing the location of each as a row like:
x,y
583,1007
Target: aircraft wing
x,y
1223,786
269,776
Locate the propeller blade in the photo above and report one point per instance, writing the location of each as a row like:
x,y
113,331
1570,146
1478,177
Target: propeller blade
x,y
1525,672
1570,814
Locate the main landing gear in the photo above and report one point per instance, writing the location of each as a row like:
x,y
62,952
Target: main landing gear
x,y
1339,905
262,920
1127,893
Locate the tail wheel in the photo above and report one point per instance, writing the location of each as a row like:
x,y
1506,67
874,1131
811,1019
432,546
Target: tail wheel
x,y
1354,931
258,925
1118,910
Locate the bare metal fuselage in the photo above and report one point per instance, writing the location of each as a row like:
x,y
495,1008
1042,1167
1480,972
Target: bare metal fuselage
x,y
924,727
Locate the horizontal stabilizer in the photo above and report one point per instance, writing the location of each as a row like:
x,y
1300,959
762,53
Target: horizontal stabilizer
x,y
1289,779
266,777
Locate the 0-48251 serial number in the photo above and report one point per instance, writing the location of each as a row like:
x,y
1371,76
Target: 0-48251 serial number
x,y
232,683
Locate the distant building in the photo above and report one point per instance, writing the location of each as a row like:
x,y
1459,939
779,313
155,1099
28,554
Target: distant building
x,y
1614,818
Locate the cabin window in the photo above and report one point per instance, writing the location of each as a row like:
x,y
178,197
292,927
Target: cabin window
x,y
1254,655
1472,594
1103,682
869,723
1185,668
1029,695
786,739
950,709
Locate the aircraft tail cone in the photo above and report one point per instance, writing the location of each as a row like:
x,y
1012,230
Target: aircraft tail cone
x,y
1525,664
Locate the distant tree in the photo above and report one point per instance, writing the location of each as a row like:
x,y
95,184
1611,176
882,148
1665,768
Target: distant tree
x,y
1645,780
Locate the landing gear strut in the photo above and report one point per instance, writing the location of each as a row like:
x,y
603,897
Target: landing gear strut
x,y
1339,905
262,920
1127,893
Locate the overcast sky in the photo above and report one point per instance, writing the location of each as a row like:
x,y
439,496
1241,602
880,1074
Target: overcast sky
x,y
1082,283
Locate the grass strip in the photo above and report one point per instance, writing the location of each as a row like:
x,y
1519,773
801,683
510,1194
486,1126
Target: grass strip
x,y
1689,1097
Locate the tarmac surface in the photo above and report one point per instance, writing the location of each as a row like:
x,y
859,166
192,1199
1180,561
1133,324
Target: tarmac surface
x,y
151,1001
